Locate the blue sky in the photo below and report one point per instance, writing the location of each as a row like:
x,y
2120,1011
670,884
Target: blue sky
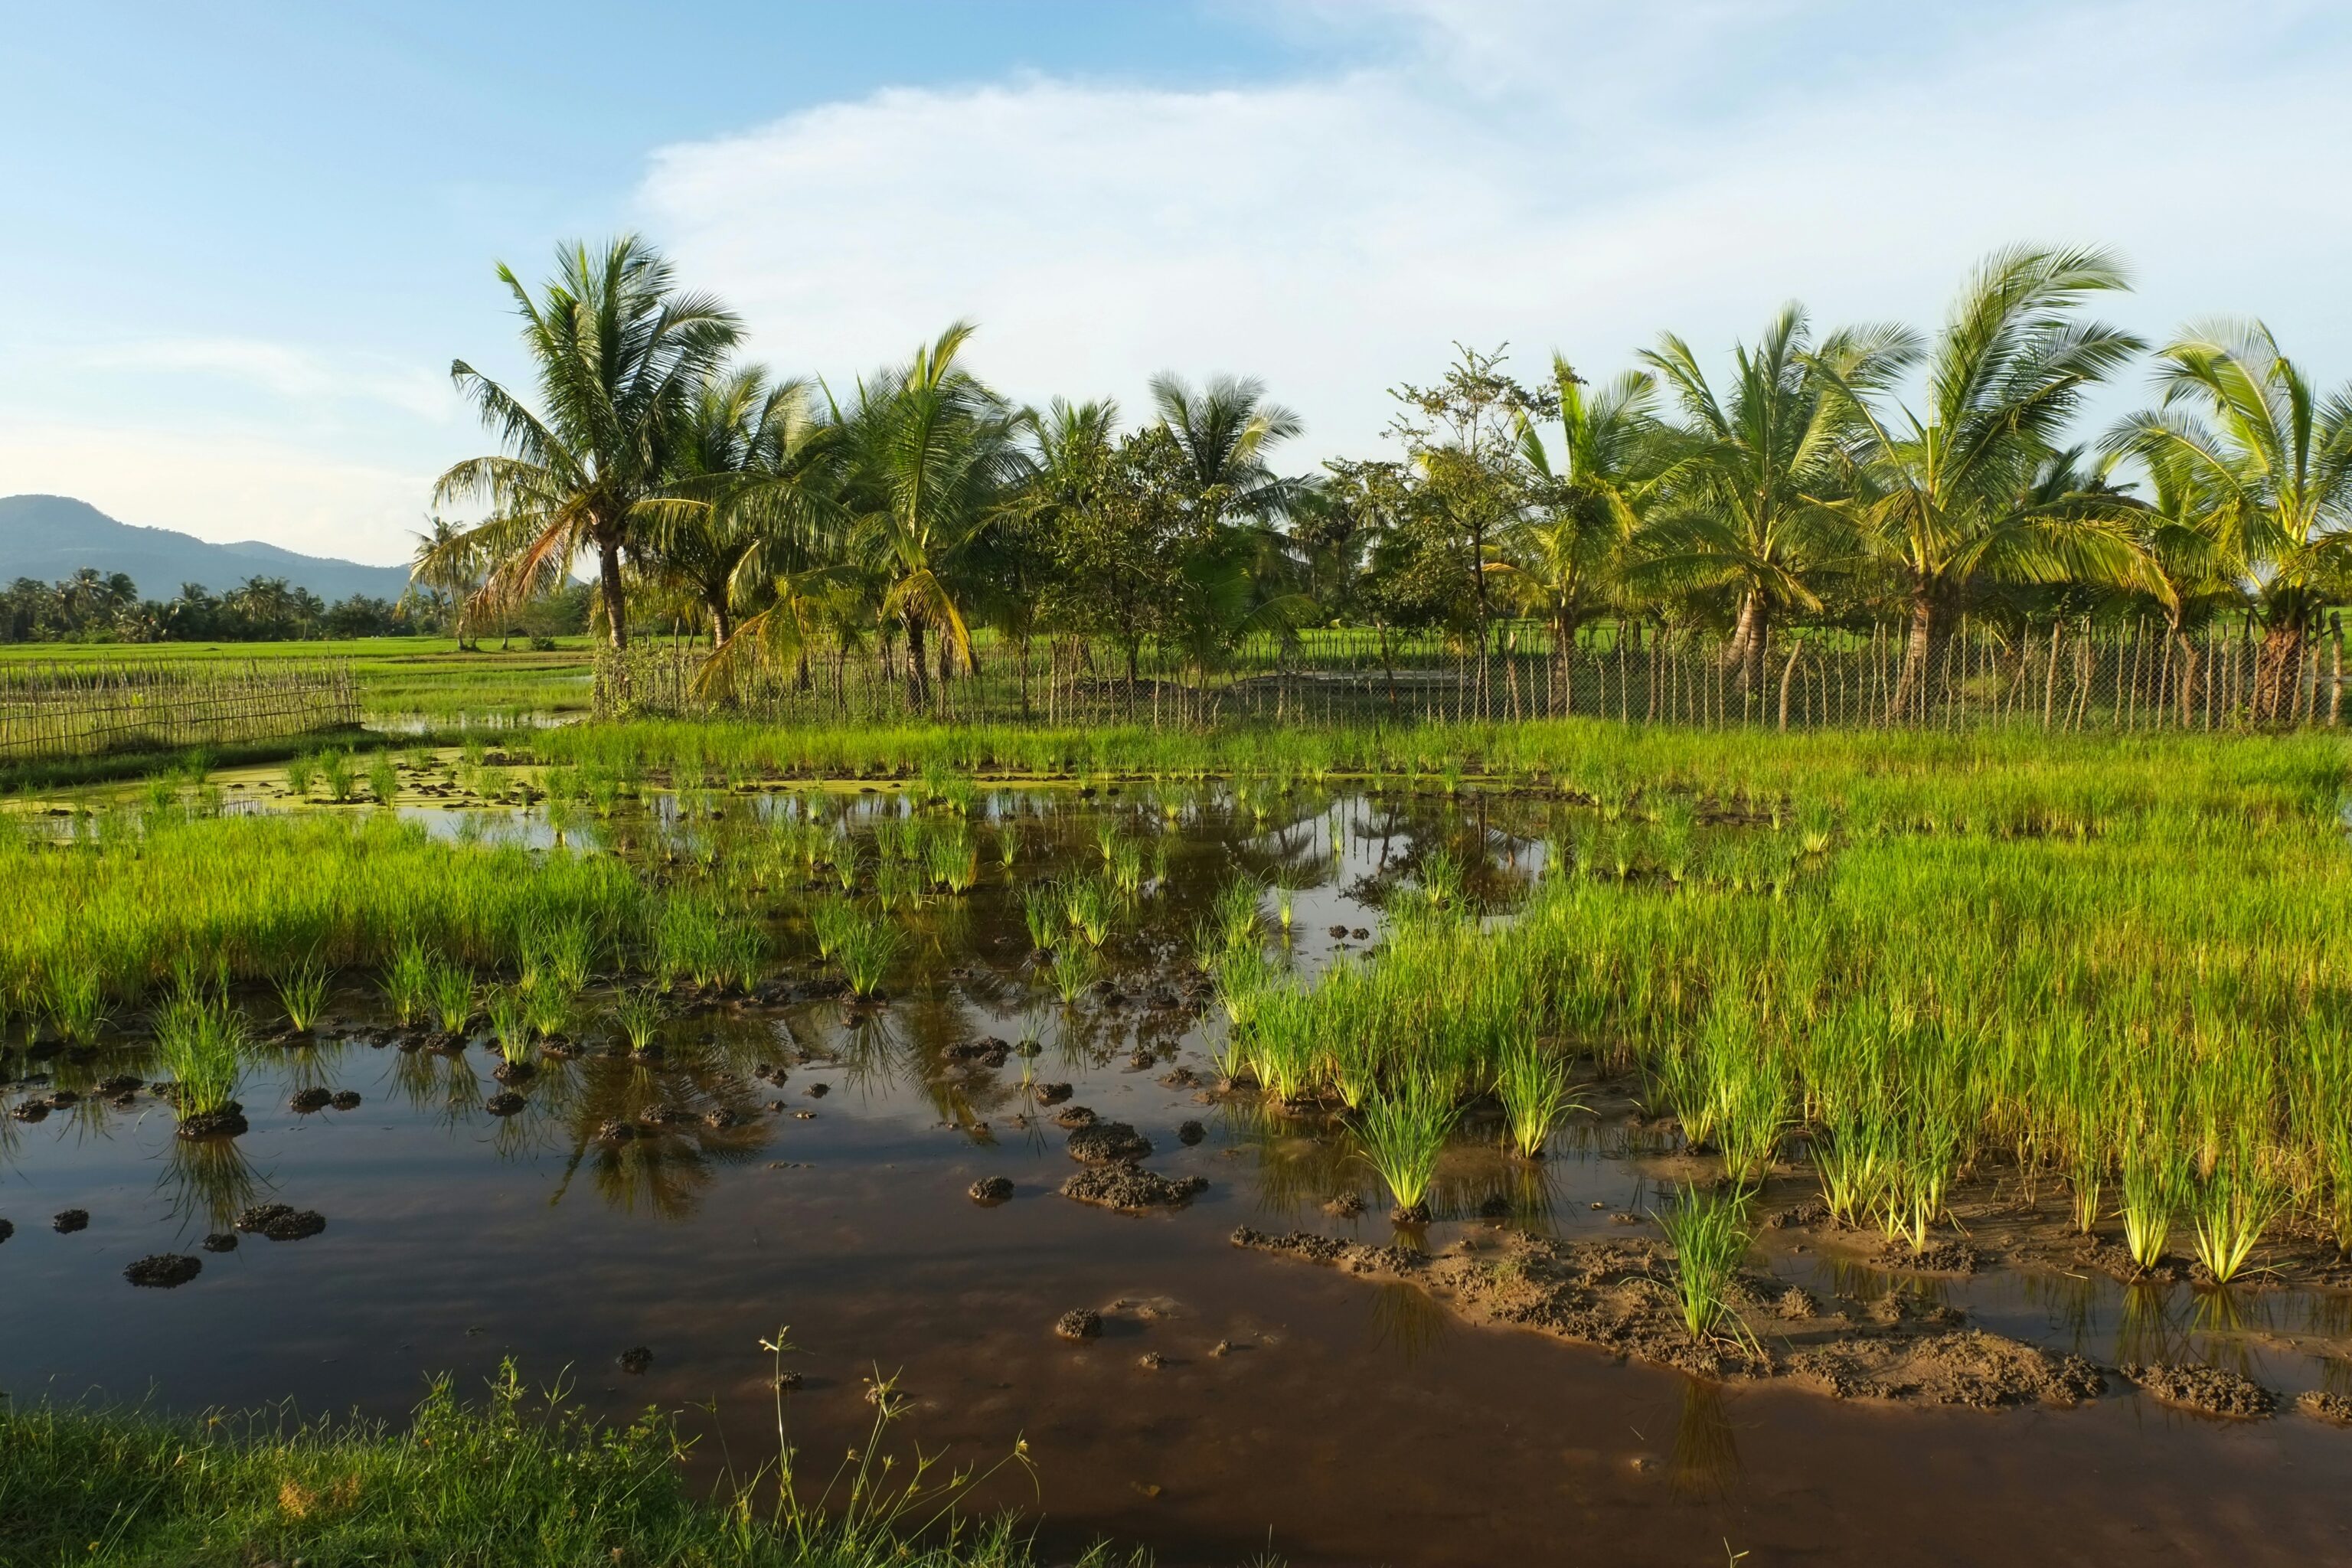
x,y
247,239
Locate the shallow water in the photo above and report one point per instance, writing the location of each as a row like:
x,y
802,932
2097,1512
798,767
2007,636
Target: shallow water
x,y
1345,1423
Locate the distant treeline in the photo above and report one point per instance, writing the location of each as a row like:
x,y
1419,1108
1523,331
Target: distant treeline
x,y
98,606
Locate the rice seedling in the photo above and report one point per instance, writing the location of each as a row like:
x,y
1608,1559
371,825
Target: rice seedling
x,y
341,781
1088,902
1533,1085
302,771
450,988
2151,1183
200,1041
867,951
408,981
1710,1235
384,779
2231,1207
1040,911
953,861
302,992
638,1012
1236,910
76,1000
1400,1134
549,1009
1071,971
508,1011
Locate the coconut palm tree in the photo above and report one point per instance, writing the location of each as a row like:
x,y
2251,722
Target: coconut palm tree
x,y
619,353
446,567
1752,506
1566,558
751,484
1227,429
932,454
2263,480
1943,504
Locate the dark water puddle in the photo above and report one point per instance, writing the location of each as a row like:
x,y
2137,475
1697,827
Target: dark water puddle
x,y
1233,1404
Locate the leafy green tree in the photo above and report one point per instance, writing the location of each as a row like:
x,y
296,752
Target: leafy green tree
x,y
2254,464
619,353
1751,509
1944,504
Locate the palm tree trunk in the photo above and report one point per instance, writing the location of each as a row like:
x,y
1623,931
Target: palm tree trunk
x,y
918,680
616,611
2180,640
2278,667
722,625
1910,686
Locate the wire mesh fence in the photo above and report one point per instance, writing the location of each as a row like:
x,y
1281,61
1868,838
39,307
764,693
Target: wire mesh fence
x,y
2059,675
52,711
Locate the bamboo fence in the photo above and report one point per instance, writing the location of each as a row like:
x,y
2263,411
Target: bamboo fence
x,y
61,710
2069,675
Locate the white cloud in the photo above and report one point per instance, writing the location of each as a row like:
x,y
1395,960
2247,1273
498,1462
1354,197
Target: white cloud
x,y
222,488
1578,177
287,371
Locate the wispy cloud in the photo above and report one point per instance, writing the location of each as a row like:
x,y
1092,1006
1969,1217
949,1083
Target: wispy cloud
x,y
1575,176
287,371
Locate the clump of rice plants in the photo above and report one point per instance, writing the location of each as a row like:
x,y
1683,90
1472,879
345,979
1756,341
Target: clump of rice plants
x,y
450,989
1710,1235
1090,904
200,1041
76,999
830,920
1236,910
1400,1134
508,1009
302,771
638,1012
1533,1085
1072,971
867,951
342,782
302,992
2230,1208
548,1009
384,779
1040,911
408,981
2151,1183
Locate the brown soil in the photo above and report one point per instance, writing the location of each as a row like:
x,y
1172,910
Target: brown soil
x,y
225,1123
1099,1142
306,1101
989,1190
1075,1116
2209,1390
1126,1186
345,1099
1079,1323
506,1102
67,1221
221,1241
164,1270
1051,1093
282,1222
1618,1295
2322,1405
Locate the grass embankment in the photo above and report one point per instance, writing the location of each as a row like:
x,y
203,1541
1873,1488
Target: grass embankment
x,y
505,1483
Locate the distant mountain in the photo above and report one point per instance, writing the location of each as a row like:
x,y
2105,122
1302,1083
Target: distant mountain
x,y
52,537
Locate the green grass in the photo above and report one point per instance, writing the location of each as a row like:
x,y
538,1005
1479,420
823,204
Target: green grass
x,y
514,1481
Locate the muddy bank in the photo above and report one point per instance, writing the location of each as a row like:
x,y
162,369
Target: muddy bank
x,y
1618,1295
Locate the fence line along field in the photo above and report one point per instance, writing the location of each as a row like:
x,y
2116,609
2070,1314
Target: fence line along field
x,y
59,709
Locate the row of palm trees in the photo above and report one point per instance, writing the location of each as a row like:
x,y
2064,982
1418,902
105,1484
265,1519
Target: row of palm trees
x,y
1867,473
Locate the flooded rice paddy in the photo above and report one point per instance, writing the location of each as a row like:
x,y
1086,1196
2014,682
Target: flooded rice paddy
x,y
795,1160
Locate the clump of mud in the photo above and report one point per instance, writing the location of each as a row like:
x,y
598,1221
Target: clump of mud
x,y
1618,1295
636,1359
1079,1323
164,1270
989,1190
1075,1116
221,1241
2209,1390
7,1229
282,1222
1125,1185
67,1221
506,1102
226,1122
2322,1405
1051,1093
345,1099
1100,1142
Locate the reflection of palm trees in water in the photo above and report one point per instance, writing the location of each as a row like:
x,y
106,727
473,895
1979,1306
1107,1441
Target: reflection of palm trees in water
x,y
689,1119
206,1183
1706,1460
